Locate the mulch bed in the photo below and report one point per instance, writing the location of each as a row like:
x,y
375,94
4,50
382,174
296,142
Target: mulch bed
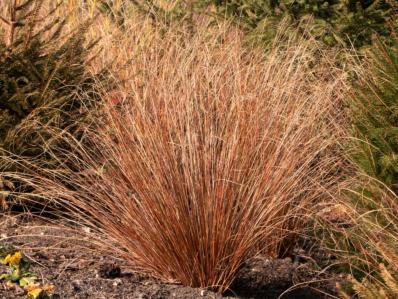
x,y
79,270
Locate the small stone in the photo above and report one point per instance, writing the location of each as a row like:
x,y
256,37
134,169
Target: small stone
x,y
142,296
41,256
202,293
117,282
109,271
97,274
76,285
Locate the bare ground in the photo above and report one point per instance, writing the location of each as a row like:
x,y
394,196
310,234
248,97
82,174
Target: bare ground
x,y
78,270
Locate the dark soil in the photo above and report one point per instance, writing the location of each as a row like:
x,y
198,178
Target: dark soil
x,y
78,270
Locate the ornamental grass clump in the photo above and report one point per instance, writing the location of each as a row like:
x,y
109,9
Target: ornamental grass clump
x,y
209,154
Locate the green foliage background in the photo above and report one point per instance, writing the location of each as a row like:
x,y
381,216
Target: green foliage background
x,y
336,22
345,21
370,243
374,113
45,88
